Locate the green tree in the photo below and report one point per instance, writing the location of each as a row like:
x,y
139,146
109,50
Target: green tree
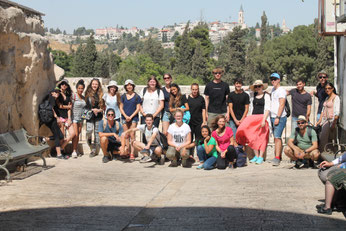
x,y
63,60
264,29
153,49
102,65
184,48
84,62
201,34
200,65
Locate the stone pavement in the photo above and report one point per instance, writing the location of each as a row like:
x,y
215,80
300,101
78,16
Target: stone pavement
x,y
85,194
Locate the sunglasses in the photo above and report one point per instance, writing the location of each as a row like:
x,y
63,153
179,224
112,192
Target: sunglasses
x,y
328,88
258,86
273,79
323,77
299,123
110,114
166,78
217,73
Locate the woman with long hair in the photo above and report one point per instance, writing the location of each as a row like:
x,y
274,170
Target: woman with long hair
x,y
78,105
152,100
254,130
177,100
206,149
65,110
166,117
95,103
329,116
225,143
129,107
112,99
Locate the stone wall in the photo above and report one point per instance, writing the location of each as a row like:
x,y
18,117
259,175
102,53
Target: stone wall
x,y
26,69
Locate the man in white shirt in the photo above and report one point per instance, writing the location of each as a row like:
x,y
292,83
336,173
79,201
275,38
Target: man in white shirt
x,y
277,115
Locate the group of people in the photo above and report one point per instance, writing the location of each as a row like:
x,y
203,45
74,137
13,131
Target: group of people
x,y
214,125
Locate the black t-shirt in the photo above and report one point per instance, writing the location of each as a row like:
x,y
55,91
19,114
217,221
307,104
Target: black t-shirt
x,y
300,102
63,112
196,106
183,100
95,105
217,93
52,102
166,95
239,101
321,95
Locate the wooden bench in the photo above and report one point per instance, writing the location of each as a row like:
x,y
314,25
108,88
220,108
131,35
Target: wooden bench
x,y
15,147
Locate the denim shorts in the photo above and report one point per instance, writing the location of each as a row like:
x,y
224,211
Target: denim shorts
x,y
134,120
166,116
278,129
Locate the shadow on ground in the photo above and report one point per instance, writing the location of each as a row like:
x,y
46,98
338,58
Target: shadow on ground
x,y
168,218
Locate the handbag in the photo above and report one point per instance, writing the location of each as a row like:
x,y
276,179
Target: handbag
x,y
187,116
87,114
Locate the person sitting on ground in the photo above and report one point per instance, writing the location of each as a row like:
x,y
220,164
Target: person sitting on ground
x,y
151,142
225,143
333,175
302,144
179,137
110,132
206,149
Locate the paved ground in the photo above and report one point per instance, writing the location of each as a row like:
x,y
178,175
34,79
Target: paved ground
x,y
85,194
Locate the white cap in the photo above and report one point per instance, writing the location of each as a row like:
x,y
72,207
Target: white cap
x,y
129,81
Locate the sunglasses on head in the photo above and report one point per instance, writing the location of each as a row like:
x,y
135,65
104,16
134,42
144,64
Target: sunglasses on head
x,y
257,86
299,123
217,73
323,77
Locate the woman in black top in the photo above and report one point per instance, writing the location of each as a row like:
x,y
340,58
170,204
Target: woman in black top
x,y
166,115
65,110
177,100
196,104
95,103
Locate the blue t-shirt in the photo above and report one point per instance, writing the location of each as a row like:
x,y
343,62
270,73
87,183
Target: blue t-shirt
x,y
166,95
130,106
110,129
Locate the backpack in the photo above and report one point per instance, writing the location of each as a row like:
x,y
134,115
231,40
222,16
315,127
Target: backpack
x,y
163,139
117,126
309,129
157,90
287,109
241,156
45,111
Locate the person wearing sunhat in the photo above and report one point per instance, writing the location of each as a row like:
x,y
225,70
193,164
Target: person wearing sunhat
x,y
254,130
320,93
129,107
302,144
277,115
112,98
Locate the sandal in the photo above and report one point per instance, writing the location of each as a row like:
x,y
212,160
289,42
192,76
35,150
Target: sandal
x,y
132,157
325,211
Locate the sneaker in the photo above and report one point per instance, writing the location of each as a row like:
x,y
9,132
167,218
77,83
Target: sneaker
x,y
105,159
299,164
259,160
145,151
174,163
74,154
162,160
61,157
275,162
325,211
201,166
145,159
253,160
184,163
92,154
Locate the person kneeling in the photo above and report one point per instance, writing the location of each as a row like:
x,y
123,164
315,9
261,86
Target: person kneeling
x,y
302,144
178,138
110,136
151,142
206,149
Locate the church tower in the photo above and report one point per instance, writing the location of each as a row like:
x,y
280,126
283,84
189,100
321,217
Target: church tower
x,y
241,15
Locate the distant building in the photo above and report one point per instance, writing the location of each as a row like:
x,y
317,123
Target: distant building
x,y
258,33
284,28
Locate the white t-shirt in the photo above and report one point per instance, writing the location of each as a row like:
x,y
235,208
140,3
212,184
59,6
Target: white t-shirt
x,y
112,102
179,134
148,133
151,101
276,95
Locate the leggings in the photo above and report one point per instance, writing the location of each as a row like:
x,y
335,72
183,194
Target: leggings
x,y
57,134
231,155
195,132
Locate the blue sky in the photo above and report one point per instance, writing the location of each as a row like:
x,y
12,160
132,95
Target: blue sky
x,y
71,14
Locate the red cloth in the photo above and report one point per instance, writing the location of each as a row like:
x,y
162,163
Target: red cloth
x,y
250,132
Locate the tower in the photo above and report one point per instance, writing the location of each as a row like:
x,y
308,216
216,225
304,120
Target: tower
x,y
241,15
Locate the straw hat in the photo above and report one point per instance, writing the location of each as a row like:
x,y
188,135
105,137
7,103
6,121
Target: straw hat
x,y
257,83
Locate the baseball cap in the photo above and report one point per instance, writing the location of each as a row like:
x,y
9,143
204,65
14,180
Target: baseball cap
x,y
275,75
301,117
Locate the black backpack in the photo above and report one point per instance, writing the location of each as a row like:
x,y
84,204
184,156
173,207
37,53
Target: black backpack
x,y
163,139
45,111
